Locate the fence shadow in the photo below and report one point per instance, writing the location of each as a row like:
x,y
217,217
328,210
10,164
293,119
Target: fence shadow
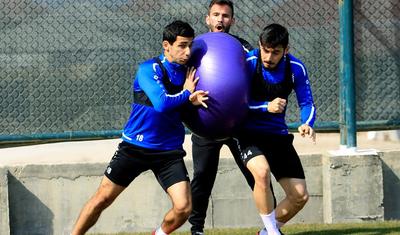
x,y
28,215
391,193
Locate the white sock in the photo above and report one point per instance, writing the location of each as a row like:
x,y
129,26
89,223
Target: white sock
x,y
159,231
270,223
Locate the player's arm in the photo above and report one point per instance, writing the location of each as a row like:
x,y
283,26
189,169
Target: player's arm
x,y
251,64
305,101
275,106
150,80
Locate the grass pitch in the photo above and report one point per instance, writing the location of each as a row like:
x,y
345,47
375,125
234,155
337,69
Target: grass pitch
x,y
368,228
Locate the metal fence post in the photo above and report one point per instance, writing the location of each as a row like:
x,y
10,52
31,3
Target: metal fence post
x,y
347,84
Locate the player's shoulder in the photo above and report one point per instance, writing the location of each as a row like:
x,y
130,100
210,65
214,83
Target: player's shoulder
x,y
246,45
149,68
150,65
297,65
252,55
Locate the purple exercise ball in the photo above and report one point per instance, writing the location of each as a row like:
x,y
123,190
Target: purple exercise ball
x,y
221,66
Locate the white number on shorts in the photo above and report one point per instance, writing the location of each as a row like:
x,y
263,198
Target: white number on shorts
x,y
139,138
245,155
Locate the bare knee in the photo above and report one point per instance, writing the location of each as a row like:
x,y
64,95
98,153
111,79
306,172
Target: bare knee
x,y
299,199
262,176
302,199
183,209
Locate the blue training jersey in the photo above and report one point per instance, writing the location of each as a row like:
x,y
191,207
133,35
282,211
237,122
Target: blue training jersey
x,y
259,119
157,127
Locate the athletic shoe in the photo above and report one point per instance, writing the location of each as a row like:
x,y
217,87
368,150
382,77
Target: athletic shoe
x,y
265,232
262,232
198,233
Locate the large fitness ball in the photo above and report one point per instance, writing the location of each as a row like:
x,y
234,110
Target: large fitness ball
x,y
220,62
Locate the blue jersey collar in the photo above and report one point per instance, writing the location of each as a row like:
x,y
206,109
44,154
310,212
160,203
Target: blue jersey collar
x,y
171,66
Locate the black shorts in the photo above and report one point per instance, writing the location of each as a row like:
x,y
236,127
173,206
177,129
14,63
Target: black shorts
x,y
282,158
129,161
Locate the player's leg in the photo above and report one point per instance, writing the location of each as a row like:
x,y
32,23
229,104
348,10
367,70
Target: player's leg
x,y
205,154
120,172
256,162
180,196
262,193
174,179
254,158
234,146
105,195
288,170
259,167
296,198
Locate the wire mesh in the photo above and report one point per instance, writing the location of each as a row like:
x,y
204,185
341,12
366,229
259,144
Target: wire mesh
x,y
67,65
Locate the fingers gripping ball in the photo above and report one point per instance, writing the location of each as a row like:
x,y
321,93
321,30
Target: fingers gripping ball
x,y
220,62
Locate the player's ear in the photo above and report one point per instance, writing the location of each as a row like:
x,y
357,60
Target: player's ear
x,y
287,50
260,45
165,45
208,19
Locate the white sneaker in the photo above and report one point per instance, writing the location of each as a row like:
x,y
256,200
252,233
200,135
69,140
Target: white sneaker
x,y
263,232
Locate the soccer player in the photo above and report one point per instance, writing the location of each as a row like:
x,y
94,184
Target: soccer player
x,y
206,151
264,140
154,134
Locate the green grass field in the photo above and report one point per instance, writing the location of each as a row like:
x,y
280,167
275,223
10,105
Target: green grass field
x,y
373,228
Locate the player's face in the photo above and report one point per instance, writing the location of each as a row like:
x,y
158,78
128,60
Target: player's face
x,y
219,18
179,51
270,57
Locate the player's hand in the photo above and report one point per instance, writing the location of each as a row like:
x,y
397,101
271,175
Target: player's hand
x,y
306,130
199,97
277,105
191,81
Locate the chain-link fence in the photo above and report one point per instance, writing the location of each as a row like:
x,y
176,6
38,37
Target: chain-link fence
x,y
67,65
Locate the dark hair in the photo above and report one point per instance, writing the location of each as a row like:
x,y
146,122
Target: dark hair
x,y
274,35
175,29
221,2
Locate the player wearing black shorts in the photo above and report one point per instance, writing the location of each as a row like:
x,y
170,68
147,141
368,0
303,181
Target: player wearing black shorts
x,y
266,145
129,161
206,151
154,133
